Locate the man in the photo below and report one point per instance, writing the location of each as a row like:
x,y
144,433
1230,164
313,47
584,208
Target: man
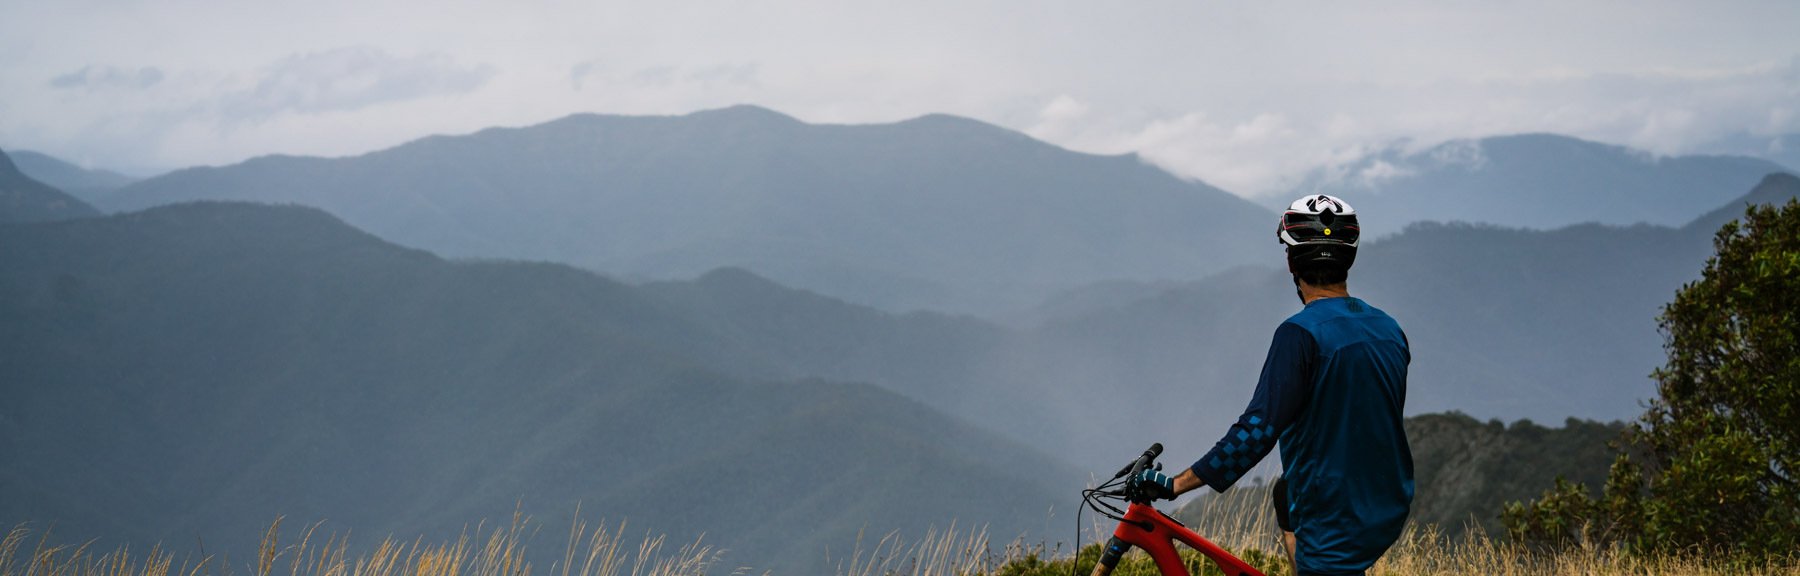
x,y
1332,393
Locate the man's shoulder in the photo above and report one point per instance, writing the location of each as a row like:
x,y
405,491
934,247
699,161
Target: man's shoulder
x,y
1312,317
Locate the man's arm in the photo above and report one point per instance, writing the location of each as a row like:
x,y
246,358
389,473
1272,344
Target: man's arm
x,y
1281,394
1186,481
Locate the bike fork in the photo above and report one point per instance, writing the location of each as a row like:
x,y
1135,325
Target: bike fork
x,y
1110,555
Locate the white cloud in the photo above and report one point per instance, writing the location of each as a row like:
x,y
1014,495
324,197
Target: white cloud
x,y
1466,153
348,79
599,75
1058,118
1248,96
102,77
1330,129
336,101
1380,172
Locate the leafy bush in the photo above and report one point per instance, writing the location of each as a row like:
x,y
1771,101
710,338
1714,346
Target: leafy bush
x,y
1711,466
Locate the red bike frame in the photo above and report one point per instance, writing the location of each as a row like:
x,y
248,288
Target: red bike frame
x,y
1146,527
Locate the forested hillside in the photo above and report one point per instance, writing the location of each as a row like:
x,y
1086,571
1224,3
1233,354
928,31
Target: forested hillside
x,y
1504,323
202,369
937,212
23,199
87,184
1465,470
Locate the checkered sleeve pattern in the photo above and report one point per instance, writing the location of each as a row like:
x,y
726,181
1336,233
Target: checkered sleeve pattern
x,y
1281,394
1244,445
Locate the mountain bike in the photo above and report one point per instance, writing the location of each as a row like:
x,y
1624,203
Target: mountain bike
x,y
1143,526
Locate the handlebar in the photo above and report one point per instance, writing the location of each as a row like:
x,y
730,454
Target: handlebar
x,y
1126,489
1142,462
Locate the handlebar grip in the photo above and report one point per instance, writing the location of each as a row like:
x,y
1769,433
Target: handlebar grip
x,y
1142,461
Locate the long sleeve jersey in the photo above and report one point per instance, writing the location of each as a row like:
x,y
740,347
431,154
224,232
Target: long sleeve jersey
x,y
1332,395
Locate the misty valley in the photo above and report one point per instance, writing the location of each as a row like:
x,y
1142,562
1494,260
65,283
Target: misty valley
x,y
782,339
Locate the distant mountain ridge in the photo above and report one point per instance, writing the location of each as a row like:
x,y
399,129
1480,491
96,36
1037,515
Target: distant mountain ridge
x,y
23,199
215,365
1774,189
1539,181
1503,322
936,212
1783,149
84,183
1465,470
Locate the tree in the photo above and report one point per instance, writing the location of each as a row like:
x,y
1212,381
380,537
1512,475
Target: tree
x,y
1713,465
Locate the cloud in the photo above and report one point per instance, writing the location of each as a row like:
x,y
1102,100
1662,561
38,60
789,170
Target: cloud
x,y
1334,130
349,78
102,77
322,102
663,77
1249,96
1466,153
1380,172
1058,118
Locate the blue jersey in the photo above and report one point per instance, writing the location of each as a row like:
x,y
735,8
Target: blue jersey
x,y
1332,393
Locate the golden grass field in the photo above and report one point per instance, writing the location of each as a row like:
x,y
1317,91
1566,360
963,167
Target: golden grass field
x,y
601,550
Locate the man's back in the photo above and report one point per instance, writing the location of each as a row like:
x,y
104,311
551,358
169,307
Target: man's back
x,y
1332,394
1348,465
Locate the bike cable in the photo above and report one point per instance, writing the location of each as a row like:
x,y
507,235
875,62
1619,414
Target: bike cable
x,y
1094,498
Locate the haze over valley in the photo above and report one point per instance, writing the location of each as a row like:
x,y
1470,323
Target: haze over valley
x,y
797,280
828,309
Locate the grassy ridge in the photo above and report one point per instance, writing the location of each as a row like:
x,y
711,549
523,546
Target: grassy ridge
x,y
602,550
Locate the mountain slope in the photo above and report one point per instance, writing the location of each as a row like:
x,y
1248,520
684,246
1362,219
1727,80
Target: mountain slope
x,y
1783,149
1465,470
1539,181
1774,189
83,183
23,199
936,212
1504,323
203,368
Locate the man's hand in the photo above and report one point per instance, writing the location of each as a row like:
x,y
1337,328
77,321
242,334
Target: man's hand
x,y
1155,484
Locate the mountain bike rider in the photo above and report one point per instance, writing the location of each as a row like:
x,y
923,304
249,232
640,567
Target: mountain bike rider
x,y
1332,392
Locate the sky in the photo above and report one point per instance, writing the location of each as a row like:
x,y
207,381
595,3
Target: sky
x,y
1247,96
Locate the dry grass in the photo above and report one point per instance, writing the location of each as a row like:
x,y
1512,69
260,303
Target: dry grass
x,y
599,550
1424,551
939,553
1246,526
477,552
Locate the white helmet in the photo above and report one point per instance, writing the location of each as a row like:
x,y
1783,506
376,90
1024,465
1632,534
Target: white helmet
x,y
1319,231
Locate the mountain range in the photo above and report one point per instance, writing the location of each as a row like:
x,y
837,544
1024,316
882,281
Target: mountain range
x,y
1483,299
1539,181
1504,323
1465,471
88,184
938,212
1783,149
200,369
204,368
24,199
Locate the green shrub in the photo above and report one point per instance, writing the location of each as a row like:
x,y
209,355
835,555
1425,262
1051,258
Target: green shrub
x,y
1713,466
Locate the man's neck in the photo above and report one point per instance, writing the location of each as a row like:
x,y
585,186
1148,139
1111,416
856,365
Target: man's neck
x,y
1309,293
